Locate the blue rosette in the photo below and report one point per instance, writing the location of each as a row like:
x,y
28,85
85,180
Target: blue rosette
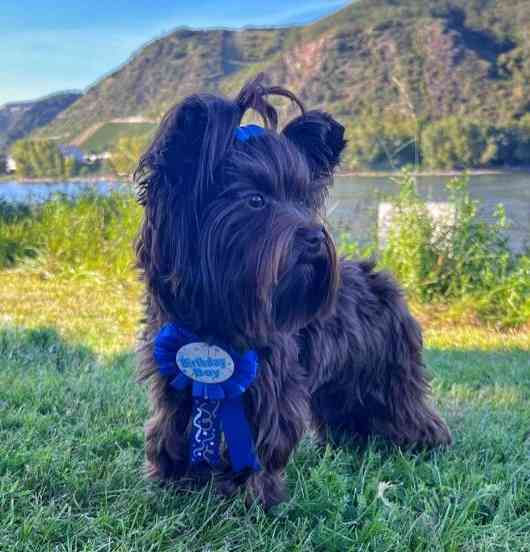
x,y
218,406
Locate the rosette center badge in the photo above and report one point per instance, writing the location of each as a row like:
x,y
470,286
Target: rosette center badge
x,y
205,363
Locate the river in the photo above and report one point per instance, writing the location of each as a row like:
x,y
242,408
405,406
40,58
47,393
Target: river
x,y
356,202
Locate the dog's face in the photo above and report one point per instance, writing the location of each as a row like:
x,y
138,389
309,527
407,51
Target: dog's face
x,y
232,241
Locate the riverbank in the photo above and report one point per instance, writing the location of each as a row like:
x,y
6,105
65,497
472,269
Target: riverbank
x,y
363,174
73,179
448,173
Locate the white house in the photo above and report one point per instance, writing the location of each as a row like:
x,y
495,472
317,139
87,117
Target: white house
x,y
93,157
11,164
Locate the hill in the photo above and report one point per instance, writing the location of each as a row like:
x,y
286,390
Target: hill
x,y
166,70
106,135
421,60
17,119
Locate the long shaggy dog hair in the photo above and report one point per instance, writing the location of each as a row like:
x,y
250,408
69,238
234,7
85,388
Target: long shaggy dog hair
x,y
233,245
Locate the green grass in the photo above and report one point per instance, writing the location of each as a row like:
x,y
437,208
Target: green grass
x,y
71,447
71,417
105,138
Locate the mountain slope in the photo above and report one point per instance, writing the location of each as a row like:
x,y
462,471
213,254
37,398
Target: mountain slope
x,y
17,119
165,70
425,59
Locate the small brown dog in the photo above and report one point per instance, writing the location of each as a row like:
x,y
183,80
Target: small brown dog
x,y
236,259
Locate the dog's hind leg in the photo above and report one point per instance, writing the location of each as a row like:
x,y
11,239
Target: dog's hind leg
x,y
366,365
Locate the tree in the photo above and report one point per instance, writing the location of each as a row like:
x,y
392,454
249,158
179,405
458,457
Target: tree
x,y
36,158
384,140
127,152
522,146
454,142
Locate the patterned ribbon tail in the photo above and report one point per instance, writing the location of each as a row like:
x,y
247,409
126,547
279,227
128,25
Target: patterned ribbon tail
x,y
205,435
238,435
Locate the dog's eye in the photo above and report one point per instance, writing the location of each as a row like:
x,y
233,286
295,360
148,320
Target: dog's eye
x,y
256,201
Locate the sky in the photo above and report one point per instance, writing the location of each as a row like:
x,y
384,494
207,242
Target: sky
x,y
53,45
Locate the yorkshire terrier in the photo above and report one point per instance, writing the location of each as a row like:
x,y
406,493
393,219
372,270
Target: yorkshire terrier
x,y
255,331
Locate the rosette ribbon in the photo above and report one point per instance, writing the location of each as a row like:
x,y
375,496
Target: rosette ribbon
x,y
217,407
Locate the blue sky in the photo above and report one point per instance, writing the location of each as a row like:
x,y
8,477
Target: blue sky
x,y
52,45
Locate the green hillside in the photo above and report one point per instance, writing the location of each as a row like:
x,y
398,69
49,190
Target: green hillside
x,y
17,119
411,62
105,137
164,71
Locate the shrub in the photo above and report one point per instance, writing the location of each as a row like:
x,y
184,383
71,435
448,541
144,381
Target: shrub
x,y
462,259
88,234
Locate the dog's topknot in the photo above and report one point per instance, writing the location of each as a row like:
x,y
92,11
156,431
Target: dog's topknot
x,y
253,96
196,135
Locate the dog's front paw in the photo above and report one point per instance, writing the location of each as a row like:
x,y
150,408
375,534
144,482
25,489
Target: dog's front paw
x,y
267,489
435,433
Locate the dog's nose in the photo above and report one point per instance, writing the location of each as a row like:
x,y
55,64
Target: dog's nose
x,y
313,239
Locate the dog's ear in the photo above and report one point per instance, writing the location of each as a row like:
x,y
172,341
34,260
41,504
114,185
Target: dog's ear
x,y
174,178
190,140
172,156
320,138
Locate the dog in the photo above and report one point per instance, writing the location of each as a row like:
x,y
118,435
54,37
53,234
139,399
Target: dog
x,y
234,248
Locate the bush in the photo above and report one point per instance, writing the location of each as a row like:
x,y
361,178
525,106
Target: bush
x,y
88,234
462,259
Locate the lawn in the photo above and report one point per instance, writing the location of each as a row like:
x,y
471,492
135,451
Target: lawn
x,y
71,445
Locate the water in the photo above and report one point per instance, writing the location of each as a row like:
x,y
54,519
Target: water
x,y
30,191
355,202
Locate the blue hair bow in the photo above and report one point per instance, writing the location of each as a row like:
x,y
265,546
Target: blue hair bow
x,y
217,406
244,133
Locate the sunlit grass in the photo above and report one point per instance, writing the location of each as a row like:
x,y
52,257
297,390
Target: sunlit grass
x,y
71,417
71,445
98,312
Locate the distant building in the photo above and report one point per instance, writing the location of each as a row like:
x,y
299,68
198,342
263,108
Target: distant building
x,y
94,157
11,164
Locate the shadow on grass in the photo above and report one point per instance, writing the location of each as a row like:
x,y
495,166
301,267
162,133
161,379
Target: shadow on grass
x,y
45,347
72,447
479,368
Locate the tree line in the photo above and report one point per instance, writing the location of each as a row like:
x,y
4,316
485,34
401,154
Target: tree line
x,y
42,158
453,142
374,142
